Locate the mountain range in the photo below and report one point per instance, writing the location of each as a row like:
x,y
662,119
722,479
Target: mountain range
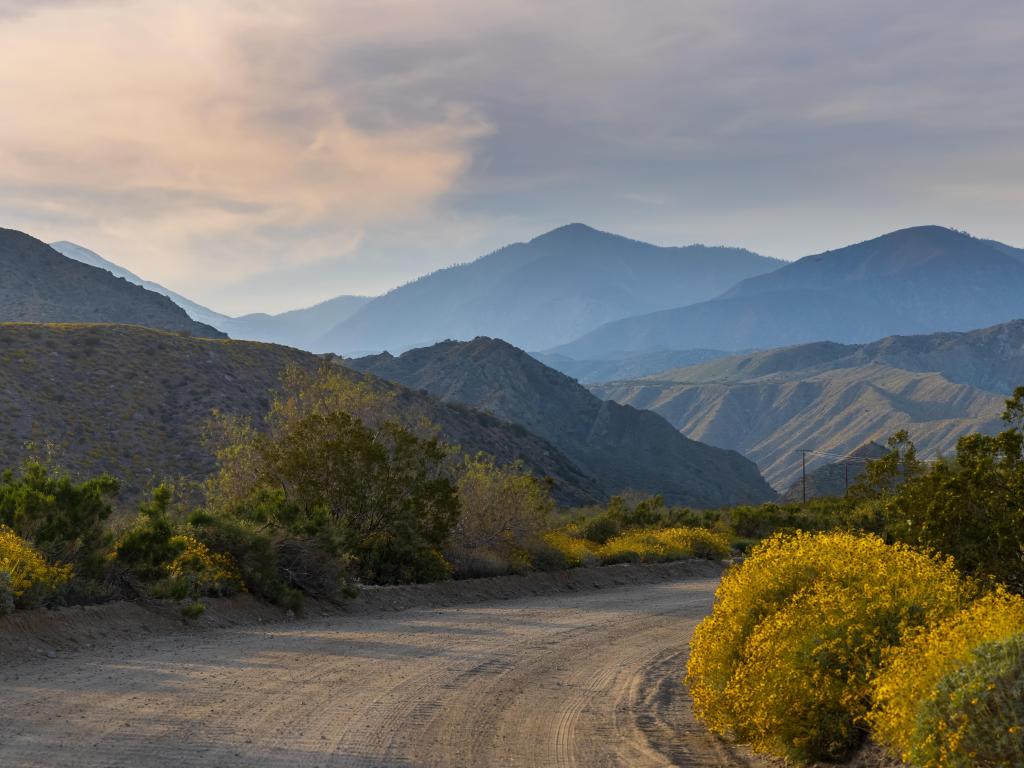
x,y
836,397
40,285
913,281
545,292
623,448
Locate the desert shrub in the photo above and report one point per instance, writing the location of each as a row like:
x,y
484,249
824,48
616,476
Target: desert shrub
x,y
662,545
147,548
952,695
786,659
66,521
26,579
504,512
601,528
970,507
197,572
378,488
574,550
254,551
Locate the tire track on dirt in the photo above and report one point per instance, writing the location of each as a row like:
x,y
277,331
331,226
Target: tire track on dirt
x,y
572,679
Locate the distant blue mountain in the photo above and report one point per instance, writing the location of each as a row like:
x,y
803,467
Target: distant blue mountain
x,y
544,292
913,281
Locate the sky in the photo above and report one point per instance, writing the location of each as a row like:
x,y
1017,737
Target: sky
x,y
257,155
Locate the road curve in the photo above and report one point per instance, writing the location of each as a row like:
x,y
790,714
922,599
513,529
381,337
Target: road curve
x,y
579,679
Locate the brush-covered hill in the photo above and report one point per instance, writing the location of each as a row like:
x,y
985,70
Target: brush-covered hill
x,y
301,328
134,402
624,448
545,292
41,285
914,281
836,397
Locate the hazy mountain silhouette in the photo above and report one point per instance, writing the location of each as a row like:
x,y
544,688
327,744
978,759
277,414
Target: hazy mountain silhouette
x,y
41,285
622,447
918,280
836,397
544,292
300,328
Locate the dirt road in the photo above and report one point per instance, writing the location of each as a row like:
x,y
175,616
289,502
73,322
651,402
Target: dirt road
x,y
580,679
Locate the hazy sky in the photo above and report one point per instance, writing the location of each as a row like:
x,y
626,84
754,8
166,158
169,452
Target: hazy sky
x,y
259,155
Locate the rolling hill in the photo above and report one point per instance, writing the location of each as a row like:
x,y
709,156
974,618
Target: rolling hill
x,y
624,448
836,397
41,285
914,281
545,292
134,402
300,328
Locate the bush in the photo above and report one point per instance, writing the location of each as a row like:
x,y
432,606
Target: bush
x,y
197,571
27,579
264,572
574,551
786,659
64,520
377,491
949,691
504,512
664,545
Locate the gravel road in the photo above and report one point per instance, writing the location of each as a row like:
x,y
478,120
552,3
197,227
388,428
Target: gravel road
x,y
574,679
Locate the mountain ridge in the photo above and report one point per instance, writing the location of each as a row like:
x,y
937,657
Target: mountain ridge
x,y
551,288
624,448
913,281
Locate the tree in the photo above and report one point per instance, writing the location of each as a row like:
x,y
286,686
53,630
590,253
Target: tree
x,y
971,507
374,490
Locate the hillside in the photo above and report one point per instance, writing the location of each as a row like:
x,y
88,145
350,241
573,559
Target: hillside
x,y
300,328
835,477
42,286
836,397
623,447
544,292
627,366
133,402
914,281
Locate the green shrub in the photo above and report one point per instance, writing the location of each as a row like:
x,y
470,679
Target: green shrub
x,y
150,544
65,520
786,660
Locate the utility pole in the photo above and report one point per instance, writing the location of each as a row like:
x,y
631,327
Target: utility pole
x,y
803,472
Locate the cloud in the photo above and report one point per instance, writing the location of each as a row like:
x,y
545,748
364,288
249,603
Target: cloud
x,y
258,154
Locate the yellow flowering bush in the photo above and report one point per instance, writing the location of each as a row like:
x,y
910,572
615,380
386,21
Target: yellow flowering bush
x,y
640,546
25,576
650,546
197,571
576,551
953,695
786,660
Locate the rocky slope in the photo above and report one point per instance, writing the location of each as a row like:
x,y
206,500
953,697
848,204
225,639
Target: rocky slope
x,y
914,281
134,402
836,397
622,447
41,285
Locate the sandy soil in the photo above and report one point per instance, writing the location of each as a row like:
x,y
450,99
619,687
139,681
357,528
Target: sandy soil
x,y
580,676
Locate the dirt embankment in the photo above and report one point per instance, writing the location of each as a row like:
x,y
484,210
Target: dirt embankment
x,y
43,633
